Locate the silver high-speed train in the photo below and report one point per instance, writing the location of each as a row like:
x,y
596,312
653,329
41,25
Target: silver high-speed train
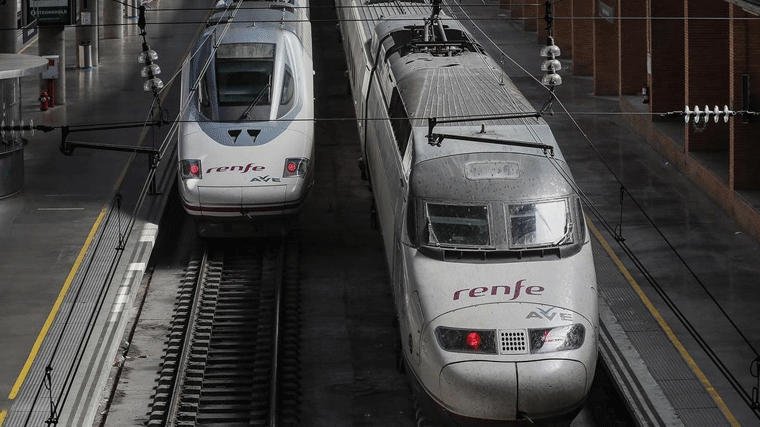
x,y
246,144
488,251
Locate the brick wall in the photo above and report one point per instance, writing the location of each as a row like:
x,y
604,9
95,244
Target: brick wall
x,y
707,70
744,173
666,48
517,9
632,46
606,55
530,11
583,37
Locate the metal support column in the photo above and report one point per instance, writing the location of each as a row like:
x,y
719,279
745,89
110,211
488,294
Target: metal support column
x,y
8,24
113,19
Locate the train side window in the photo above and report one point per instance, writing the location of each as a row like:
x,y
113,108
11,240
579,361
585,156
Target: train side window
x,y
288,90
411,221
581,220
406,161
204,103
402,128
367,50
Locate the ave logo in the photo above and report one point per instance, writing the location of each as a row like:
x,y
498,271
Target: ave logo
x,y
549,314
265,178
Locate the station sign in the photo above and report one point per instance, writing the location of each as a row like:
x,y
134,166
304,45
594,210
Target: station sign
x,y
53,12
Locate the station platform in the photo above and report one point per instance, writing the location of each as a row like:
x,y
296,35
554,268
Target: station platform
x,y
71,258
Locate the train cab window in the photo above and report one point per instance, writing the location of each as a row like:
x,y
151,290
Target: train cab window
x,y
402,128
539,224
458,225
244,79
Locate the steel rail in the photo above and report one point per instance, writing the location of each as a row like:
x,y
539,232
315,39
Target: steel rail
x,y
276,340
182,363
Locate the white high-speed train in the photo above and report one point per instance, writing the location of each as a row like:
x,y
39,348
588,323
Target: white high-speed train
x,y
246,143
489,256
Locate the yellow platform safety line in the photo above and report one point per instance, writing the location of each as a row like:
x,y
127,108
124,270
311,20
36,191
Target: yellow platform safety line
x,y
66,285
56,307
665,327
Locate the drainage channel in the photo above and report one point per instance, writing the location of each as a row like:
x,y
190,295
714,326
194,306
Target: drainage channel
x,y
232,355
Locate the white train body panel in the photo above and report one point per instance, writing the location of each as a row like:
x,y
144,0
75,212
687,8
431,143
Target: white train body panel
x,y
234,137
510,299
486,243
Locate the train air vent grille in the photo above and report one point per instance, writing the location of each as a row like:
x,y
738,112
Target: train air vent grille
x,y
513,341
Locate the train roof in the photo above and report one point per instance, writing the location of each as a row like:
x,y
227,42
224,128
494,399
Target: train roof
x,y
461,86
456,178
455,78
467,83
290,15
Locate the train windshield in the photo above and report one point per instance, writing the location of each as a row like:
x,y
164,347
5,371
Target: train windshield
x,y
458,225
539,224
244,79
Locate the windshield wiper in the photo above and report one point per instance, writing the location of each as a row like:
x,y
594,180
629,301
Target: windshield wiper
x,y
564,239
431,232
247,112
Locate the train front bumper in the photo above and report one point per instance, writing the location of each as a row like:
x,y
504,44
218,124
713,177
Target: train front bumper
x,y
212,202
486,390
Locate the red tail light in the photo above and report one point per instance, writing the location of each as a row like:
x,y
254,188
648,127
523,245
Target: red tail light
x,y
466,340
190,168
473,340
295,167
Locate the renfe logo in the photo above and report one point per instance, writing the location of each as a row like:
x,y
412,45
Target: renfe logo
x,y
248,167
482,291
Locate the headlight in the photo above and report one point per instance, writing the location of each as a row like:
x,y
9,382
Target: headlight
x,y
561,338
295,167
466,340
190,168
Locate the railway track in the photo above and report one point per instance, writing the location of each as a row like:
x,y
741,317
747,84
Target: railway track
x,y
232,354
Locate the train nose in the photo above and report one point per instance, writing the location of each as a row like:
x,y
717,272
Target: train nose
x,y
486,390
504,390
